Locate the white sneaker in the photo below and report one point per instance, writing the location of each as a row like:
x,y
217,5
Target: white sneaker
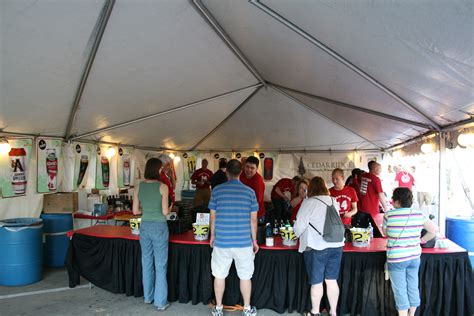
x,y
217,311
252,311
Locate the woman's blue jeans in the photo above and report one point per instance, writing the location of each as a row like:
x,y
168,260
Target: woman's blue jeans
x,y
154,244
404,279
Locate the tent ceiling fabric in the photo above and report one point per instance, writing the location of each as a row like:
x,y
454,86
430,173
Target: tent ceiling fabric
x,y
44,46
177,130
389,132
285,58
154,56
422,50
271,121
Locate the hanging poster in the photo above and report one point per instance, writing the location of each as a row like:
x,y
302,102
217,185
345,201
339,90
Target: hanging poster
x,y
267,163
48,160
103,163
242,156
125,167
84,153
14,167
190,160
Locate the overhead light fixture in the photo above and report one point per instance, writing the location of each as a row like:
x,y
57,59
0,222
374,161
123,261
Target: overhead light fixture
x,y
177,159
466,139
110,152
4,146
397,154
427,148
172,155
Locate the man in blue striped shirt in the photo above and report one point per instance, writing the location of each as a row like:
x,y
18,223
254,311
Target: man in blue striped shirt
x,y
233,235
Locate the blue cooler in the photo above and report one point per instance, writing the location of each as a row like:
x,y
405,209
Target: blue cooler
x,y
461,231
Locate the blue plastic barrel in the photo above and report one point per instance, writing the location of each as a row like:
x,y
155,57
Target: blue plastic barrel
x,y
55,241
21,251
461,231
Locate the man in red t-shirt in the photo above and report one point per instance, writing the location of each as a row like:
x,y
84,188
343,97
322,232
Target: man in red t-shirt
x,y
168,177
346,197
251,178
404,178
202,179
282,193
371,194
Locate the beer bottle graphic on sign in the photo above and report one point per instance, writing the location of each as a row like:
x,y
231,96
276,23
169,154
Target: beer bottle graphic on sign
x,y
126,170
105,171
18,165
82,169
52,169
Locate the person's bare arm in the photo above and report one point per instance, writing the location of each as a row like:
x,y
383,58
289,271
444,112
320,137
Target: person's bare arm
x,y
136,202
430,231
383,201
212,226
254,225
164,199
353,210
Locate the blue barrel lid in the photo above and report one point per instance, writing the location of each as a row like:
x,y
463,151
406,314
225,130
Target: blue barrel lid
x,y
21,222
460,219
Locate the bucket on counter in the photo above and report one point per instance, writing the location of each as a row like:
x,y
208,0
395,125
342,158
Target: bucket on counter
x,y
360,236
288,236
55,240
21,249
135,225
201,232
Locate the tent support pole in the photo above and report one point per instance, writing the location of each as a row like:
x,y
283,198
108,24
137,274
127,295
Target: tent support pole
x,y
179,108
443,189
226,118
341,59
104,19
201,8
356,108
320,114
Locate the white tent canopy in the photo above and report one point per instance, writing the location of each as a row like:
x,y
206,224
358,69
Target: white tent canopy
x,y
236,75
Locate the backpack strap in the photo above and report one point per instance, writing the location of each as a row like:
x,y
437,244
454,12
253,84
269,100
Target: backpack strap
x,y
324,204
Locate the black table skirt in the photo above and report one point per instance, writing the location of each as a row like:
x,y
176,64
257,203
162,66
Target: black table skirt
x,y
279,282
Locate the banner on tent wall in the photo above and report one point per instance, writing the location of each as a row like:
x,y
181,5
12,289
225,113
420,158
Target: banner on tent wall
x,y
102,172
322,164
125,167
218,155
267,164
189,163
83,153
14,167
48,160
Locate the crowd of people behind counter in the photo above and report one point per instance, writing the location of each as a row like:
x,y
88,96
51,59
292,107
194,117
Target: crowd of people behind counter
x,y
235,198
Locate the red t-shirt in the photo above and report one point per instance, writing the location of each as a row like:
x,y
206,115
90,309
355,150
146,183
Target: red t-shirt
x,y
258,186
370,187
345,198
404,179
285,185
167,181
202,175
295,210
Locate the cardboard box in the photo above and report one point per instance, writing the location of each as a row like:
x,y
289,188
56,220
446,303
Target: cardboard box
x,y
61,203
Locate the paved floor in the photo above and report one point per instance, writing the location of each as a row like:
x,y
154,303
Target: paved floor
x,y
52,296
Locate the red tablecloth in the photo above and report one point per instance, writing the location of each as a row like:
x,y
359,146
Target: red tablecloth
x,y
378,220
124,232
101,218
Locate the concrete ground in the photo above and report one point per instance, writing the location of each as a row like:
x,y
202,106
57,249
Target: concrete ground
x,y
52,296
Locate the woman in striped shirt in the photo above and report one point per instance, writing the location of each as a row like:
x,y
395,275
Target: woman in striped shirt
x,y
403,226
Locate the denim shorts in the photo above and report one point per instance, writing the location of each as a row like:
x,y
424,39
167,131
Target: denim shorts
x,y
323,264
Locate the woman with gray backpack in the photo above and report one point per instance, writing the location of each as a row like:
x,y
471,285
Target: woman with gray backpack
x,y
321,233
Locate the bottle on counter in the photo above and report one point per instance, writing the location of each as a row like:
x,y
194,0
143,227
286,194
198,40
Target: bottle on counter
x,y
275,228
371,231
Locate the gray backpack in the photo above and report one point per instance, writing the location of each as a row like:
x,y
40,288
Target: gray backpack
x,y
333,227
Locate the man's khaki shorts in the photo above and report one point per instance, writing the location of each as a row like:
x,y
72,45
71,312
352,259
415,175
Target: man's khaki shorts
x,y
222,258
